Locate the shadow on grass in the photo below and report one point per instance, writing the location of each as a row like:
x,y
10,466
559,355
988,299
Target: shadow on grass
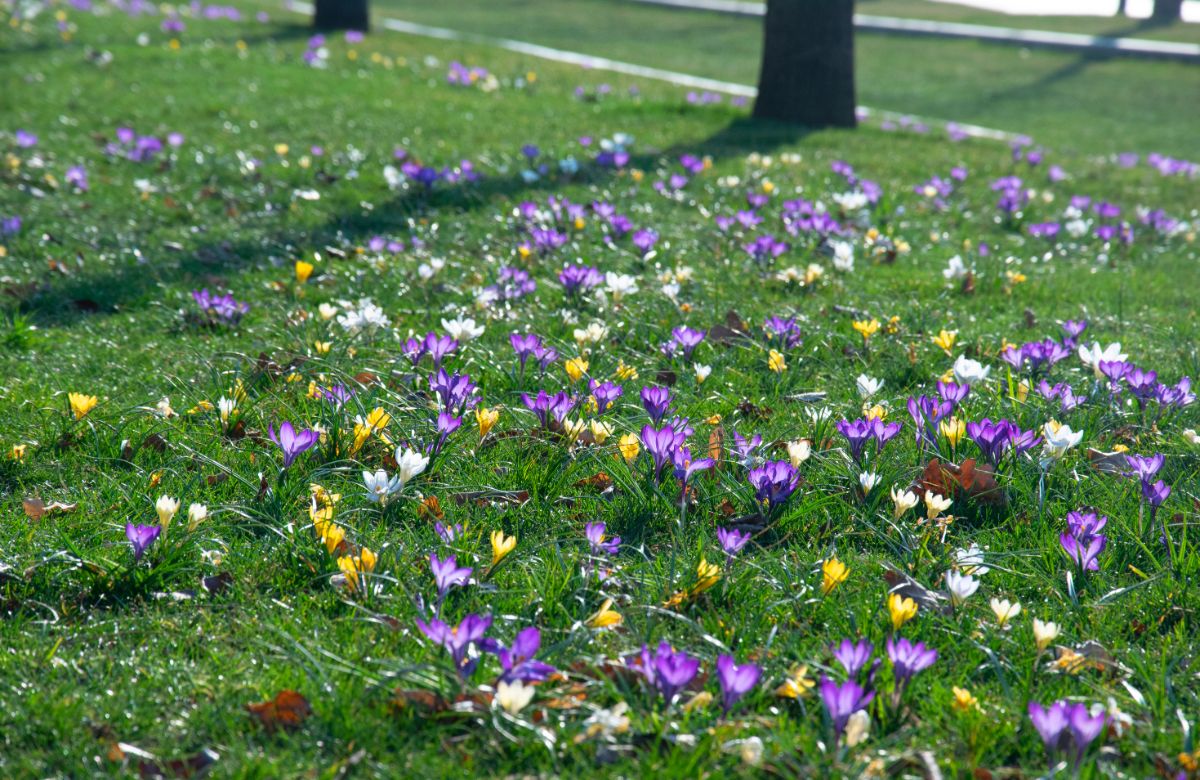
x,y
64,301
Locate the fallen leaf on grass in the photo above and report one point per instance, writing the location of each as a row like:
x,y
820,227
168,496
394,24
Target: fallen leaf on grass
x,y
36,509
966,481
288,710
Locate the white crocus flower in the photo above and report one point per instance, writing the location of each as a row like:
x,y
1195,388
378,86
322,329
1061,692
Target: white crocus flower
x,y
868,480
514,696
868,386
620,285
843,256
1005,610
702,372
960,586
970,560
462,329
1094,355
955,269
380,487
969,371
904,501
197,514
409,464
798,452
1044,633
166,507
226,408
1059,439
936,504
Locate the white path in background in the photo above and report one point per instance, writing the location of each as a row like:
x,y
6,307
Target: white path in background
x,y
592,62
1046,38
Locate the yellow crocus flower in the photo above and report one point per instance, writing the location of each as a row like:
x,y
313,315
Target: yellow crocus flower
x,y
303,271
776,362
576,368
82,404
945,340
797,685
629,446
866,328
953,429
487,419
902,610
834,573
605,617
501,546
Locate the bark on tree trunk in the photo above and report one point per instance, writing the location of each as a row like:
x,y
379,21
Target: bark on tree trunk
x,y
341,15
1167,10
807,74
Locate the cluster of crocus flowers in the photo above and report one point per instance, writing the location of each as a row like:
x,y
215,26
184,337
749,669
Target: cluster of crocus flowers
x,y
1067,730
1082,541
353,561
860,431
774,482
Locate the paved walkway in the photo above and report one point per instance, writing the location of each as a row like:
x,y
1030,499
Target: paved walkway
x,y
1042,38
641,71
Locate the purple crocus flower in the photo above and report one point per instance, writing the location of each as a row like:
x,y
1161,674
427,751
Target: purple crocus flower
x,y
645,240
447,574
1084,551
857,434
1145,467
600,543
744,448
853,656
688,339
1063,726
438,347
456,392
605,393
952,392
337,395
667,670
577,278
842,701
774,482
141,537
457,640
77,177
292,442
685,466
732,541
656,401
1083,541
518,661
448,533
525,345
1142,384
909,658
549,407
926,412
661,444
1155,493
736,681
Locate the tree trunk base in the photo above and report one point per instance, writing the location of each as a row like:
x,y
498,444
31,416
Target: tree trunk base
x,y
341,15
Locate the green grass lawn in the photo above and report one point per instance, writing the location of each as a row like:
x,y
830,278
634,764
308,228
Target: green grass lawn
x,y
118,666
1070,101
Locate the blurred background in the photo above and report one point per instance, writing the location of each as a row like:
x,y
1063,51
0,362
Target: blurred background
x,y
1076,99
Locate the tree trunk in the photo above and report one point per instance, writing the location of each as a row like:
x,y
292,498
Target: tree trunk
x,y
341,15
1167,10
807,75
